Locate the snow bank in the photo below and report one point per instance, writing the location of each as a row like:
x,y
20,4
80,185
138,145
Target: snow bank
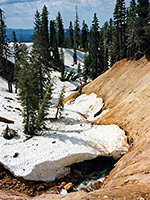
x,y
66,141
47,157
10,108
88,106
68,53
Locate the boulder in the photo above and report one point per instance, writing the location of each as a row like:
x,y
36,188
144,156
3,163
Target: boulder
x,y
62,185
68,187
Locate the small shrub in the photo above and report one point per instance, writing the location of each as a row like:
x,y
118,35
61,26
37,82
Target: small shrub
x,y
9,133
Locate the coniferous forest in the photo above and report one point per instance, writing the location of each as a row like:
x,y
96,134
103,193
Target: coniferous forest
x,y
125,35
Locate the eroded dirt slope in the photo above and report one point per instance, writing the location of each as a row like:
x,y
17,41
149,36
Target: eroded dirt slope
x,y
125,89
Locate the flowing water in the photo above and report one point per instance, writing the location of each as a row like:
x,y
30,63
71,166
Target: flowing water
x,y
86,176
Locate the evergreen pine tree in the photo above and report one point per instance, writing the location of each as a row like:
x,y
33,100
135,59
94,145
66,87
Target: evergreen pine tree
x,y
53,44
94,50
103,53
34,108
71,32
40,51
79,68
44,26
147,35
37,39
43,108
28,91
34,79
62,66
16,57
45,39
131,30
15,46
86,71
3,41
37,52
105,44
60,105
76,31
6,70
110,42
142,24
79,71
60,30
75,56
84,36
119,30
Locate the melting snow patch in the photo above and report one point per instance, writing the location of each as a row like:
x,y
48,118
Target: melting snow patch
x,y
40,158
87,105
66,141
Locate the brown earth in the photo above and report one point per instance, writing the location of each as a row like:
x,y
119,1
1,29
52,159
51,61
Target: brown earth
x,y
125,89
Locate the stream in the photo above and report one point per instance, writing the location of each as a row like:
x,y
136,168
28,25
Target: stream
x,y
85,176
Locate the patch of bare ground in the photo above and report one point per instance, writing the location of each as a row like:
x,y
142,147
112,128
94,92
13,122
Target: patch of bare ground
x,y
128,192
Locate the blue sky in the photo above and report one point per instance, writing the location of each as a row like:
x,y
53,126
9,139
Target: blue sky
x,y
20,13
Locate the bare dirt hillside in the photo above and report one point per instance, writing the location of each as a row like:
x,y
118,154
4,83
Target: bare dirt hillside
x,y
125,89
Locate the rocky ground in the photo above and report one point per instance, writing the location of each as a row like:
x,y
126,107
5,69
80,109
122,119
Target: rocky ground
x,y
81,174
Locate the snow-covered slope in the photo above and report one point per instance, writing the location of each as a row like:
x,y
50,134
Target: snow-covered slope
x,y
68,53
65,141
10,108
68,56
11,58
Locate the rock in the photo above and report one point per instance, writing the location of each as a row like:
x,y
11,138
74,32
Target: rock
x,y
54,188
62,185
68,187
98,184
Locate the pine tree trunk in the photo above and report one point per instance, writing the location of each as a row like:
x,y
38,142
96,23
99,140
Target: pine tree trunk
x,y
56,116
10,87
